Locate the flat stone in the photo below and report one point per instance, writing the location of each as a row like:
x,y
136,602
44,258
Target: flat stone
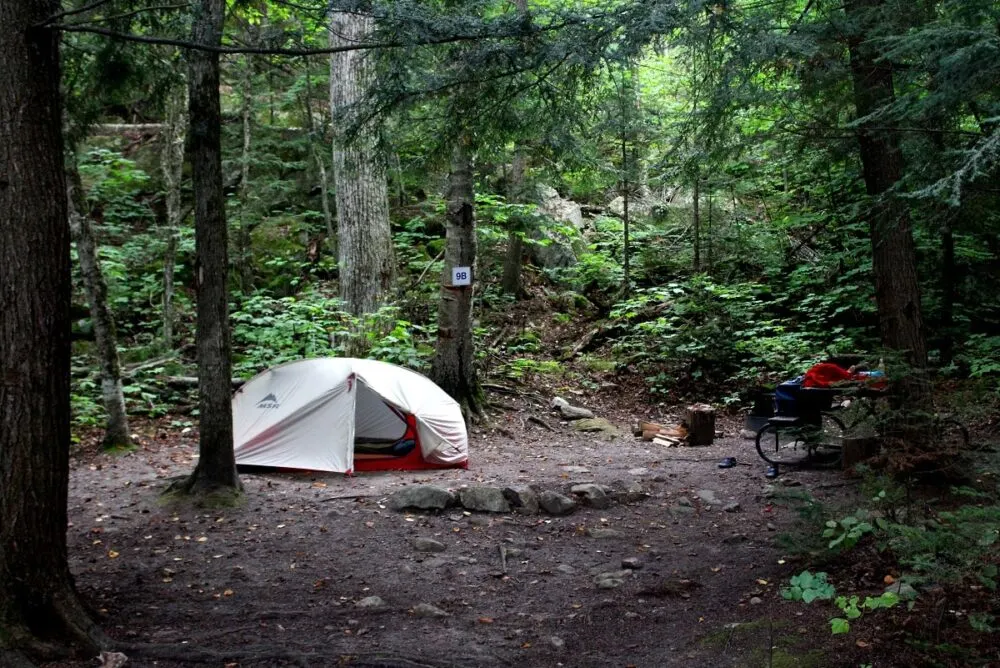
x,y
557,643
566,569
483,499
575,469
596,425
631,563
708,497
638,471
611,579
601,532
771,527
555,503
594,495
424,497
522,499
733,507
756,600
428,545
428,610
684,501
370,602
633,493
571,413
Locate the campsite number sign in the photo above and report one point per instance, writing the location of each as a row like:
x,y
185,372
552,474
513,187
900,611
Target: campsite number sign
x,y
461,276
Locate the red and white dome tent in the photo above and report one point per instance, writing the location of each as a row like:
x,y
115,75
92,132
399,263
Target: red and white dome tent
x,y
345,415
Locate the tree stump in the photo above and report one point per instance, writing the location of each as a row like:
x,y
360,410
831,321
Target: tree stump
x,y
857,449
701,424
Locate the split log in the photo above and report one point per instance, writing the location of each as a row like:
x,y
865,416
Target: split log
x,y
666,441
701,424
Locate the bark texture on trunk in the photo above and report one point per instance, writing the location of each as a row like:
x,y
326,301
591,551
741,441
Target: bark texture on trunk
x,y
116,433
366,264
894,260
453,367
626,250
696,223
39,610
172,166
510,282
216,469
244,242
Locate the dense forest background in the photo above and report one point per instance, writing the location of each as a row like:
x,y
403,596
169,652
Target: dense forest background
x,y
698,197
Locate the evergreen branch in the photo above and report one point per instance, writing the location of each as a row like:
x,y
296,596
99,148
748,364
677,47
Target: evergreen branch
x,y
72,12
125,15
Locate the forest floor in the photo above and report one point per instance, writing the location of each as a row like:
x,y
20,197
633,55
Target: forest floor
x,y
278,580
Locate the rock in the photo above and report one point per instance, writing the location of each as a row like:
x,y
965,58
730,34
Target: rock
x,y
769,491
631,563
566,569
681,510
756,600
638,472
483,499
733,507
562,210
602,532
558,402
791,482
576,469
522,499
684,501
557,643
734,539
708,497
904,590
555,503
748,434
596,425
771,527
593,494
611,579
428,610
370,602
109,660
633,493
425,497
575,412
428,545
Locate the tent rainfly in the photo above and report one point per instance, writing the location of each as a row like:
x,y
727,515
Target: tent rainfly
x,y
345,415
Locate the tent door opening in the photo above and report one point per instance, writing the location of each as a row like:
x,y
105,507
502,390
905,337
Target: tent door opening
x,y
381,431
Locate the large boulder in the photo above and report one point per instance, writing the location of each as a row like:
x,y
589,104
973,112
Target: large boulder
x,y
424,497
483,499
569,411
595,495
555,250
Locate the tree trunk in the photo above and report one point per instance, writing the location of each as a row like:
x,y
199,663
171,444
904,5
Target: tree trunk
x,y
510,282
216,469
948,280
324,181
172,165
696,223
244,245
366,264
709,246
626,251
453,367
116,434
39,610
894,261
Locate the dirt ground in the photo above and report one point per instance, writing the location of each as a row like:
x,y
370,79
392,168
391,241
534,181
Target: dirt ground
x,y
277,582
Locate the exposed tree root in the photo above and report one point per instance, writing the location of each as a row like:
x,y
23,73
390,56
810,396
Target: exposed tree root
x,y
67,621
200,493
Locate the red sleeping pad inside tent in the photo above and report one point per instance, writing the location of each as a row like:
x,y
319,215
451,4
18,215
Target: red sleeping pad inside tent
x,y
412,461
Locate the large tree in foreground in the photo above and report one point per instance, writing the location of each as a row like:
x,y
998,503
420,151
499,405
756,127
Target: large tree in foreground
x,y
216,469
39,611
364,239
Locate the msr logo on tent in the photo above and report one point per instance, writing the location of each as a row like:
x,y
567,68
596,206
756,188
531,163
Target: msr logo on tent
x,y
270,401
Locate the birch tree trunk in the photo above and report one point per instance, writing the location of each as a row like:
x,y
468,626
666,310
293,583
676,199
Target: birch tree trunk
x,y
244,244
116,433
37,597
172,166
366,264
216,469
453,368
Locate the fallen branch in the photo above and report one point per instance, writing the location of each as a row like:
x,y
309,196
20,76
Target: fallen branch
x,y
503,559
192,381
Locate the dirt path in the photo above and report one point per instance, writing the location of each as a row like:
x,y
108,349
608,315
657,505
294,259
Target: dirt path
x,y
278,581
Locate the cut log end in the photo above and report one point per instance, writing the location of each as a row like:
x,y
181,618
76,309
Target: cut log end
x,y
700,420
